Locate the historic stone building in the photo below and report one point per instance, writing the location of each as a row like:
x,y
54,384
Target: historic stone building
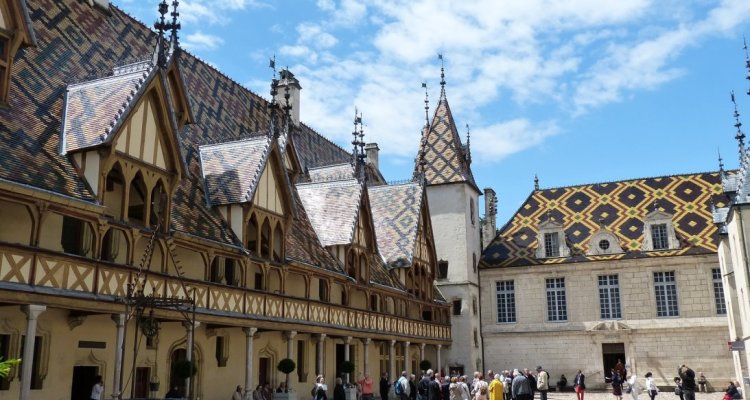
x,y
134,173
453,195
581,276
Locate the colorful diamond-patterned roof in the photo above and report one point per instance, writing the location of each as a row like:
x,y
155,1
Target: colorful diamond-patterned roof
x,y
333,208
303,243
231,170
335,172
395,214
621,208
93,108
441,150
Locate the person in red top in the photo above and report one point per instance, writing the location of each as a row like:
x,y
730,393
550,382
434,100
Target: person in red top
x,y
366,384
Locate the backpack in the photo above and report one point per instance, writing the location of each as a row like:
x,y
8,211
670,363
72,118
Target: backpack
x,y
397,388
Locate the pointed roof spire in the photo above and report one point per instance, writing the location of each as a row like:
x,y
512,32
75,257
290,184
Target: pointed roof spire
x,y
173,37
740,136
273,106
161,25
426,106
442,76
468,144
747,62
536,182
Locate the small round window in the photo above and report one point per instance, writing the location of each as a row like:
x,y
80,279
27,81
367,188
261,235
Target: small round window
x,y
604,244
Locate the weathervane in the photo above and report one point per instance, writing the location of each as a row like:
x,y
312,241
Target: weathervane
x,y
740,136
426,106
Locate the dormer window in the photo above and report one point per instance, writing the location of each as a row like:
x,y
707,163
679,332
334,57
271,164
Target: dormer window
x,y
551,240
658,232
604,242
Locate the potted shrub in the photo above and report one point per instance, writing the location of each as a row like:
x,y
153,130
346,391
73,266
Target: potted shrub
x,y
424,365
286,367
347,367
153,384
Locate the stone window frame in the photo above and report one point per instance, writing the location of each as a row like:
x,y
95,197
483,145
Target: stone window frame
x,y
551,226
604,234
658,217
718,286
506,301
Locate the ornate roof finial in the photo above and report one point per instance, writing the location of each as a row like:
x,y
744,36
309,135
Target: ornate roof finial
x,y
536,182
287,106
355,137
468,144
161,26
721,163
273,105
174,39
426,106
442,76
656,205
737,124
747,62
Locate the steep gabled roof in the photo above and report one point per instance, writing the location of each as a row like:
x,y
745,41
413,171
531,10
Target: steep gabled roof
x,y
441,152
333,208
395,214
327,173
231,170
303,244
621,208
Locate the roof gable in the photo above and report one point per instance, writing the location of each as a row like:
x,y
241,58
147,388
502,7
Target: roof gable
x,y
333,208
621,207
396,213
231,171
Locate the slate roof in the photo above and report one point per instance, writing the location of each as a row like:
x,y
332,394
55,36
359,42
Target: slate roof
x,y
231,170
621,207
396,216
441,151
303,243
333,209
334,172
94,108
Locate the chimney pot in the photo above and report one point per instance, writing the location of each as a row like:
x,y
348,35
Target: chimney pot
x,y
371,151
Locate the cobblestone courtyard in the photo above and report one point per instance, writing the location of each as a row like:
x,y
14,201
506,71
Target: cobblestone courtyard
x,y
601,395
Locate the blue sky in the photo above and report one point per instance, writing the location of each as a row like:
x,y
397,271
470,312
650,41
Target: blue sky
x,y
576,91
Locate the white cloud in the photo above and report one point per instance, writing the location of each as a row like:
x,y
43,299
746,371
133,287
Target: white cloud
x,y
202,41
214,12
570,56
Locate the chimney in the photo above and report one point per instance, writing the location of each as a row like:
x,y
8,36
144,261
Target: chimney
x,y
489,229
287,79
371,150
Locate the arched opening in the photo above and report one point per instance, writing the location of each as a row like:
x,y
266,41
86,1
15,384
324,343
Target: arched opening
x,y
137,200
115,247
363,276
389,308
358,299
375,304
17,223
114,192
157,258
255,277
295,285
252,234
351,268
278,243
76,236
177,356
274,281
322,290
158,206
265,239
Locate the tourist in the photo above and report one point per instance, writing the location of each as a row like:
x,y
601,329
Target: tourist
x,y
702,382
237,394
542,382
384,386
634,388
687,376
507,384
651,385
731,392
521,389
579,385
532,380
267,391
490,376
433,389
616,384
281,388
454,389
496,388
620,368
320,389
258,393
366,385
402,388
97,389
465,392
338,390
678,387
424,386
412,387
482,391
562,383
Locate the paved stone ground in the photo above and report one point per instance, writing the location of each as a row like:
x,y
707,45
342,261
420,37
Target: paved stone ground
x,y
600,395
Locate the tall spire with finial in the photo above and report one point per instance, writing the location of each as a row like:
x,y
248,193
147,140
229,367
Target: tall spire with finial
x,y
163,46
426,106
442,76
740,136
272,106
173,37
747,62
468,144
536,182
355,137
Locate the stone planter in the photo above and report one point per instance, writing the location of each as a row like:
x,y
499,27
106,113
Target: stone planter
x,y
285,396
351,393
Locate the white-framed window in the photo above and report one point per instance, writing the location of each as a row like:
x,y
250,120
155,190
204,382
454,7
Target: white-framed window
x,y
665,290
609,297
506,301
557,309
721,305
658,232
551,240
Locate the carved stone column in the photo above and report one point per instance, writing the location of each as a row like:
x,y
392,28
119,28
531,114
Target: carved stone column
x,y
421,352
367,355
249,332
290,343
32,312
119,320
407,361
347,352
189,351
439,362
392,361
321,347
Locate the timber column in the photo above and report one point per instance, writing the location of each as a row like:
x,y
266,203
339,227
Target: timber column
x,y
249,332
190,328
119,320
32,312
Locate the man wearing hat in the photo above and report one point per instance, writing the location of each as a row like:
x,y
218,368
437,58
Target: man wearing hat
x,y
542,382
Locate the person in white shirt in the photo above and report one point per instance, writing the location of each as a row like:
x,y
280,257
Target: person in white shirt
x,y
97,389
635,387
651,385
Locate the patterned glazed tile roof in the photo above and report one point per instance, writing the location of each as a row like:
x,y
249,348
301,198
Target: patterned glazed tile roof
x,y
441,150
231,170
315,150
380,274
303,243
395,214
94,108
333,208
328,173
621,208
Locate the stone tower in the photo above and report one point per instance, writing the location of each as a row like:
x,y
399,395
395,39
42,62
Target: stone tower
x,y
453,199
